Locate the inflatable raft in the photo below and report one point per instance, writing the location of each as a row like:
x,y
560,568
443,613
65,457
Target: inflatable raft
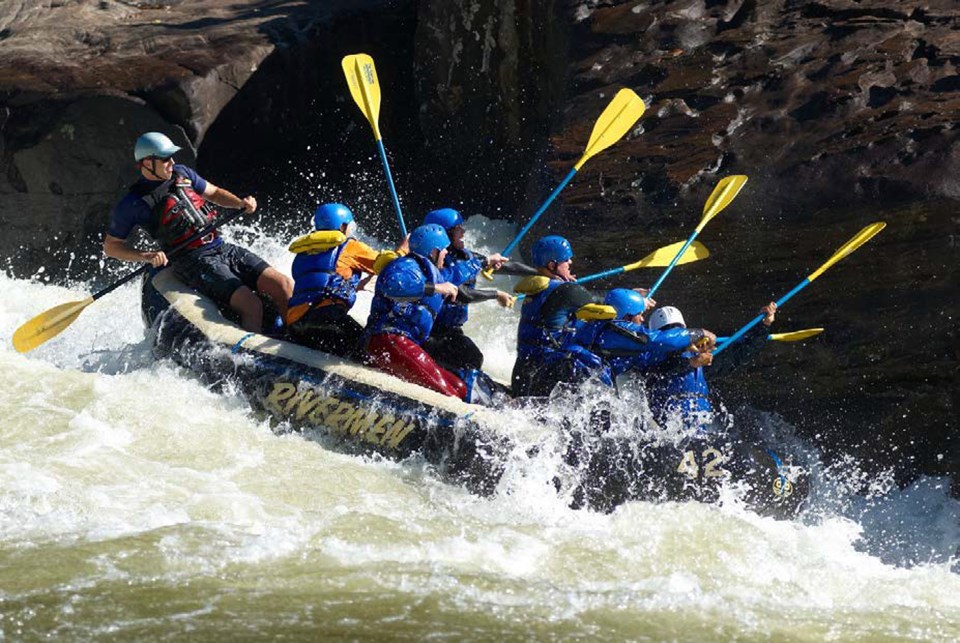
x,y
358,409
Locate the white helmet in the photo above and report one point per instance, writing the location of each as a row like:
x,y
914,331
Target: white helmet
x,y
666,316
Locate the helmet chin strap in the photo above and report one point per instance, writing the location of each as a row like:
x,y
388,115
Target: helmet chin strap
x,y
152,170
556,275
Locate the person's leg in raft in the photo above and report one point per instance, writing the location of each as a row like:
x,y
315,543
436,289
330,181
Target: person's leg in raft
x,y
402,357
278,287
249,307
330,329
213,275
533,378
256,274
453,349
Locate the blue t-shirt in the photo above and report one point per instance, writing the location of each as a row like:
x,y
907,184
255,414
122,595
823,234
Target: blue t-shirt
x,y
133,211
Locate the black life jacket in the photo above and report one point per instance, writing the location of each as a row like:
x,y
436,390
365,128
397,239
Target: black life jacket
x,y
176,212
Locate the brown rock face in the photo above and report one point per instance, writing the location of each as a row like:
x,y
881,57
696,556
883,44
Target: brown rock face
x,y
81,79
841,112
488,80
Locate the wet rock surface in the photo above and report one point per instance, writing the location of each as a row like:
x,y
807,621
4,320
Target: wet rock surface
x,y
840,111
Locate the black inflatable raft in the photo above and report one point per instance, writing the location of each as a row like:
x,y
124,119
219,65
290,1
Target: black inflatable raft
x,y
359,409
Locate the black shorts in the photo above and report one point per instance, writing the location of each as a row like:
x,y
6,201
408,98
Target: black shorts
x,y
218,272
452,349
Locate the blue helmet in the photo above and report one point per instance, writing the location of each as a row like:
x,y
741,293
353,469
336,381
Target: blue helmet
x,y
551,248
330,216
627,302
427,238
446,217
154,144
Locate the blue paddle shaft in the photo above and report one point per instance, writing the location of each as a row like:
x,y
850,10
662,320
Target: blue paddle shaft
x,y
756,320
722,340
393,188
601,275
543,208
583,280
673,262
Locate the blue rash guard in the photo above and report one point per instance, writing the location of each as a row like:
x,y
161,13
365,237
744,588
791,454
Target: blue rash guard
x,y
627,346
133,211
404,301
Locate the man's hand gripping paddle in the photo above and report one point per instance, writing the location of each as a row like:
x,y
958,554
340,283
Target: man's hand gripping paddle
x,y
51,323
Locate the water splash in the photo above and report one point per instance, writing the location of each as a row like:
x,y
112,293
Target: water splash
x,y
137,503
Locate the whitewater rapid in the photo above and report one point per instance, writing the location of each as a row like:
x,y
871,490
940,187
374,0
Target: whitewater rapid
x,y
135,503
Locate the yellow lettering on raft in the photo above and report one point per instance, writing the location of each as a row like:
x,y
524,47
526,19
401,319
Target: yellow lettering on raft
x,y
310,405
308,400
324,405
335,419
401,435
281,391
375,433
397,433
360,422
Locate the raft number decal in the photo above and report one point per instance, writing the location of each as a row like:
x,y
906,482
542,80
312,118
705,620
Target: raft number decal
x,y
710,461
312,406
782,488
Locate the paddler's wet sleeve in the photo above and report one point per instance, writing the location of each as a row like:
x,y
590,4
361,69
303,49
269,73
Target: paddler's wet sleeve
x,y
468,295
568,297
356,257
513,268
676,339
517,269
741,353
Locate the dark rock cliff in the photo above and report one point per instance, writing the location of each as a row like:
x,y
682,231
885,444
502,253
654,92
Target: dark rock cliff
x,y
840,112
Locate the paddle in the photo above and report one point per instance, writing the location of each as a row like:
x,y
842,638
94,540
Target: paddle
x,y
725,192
858,240
624,110
51,323
794,336
365,89
656,259
667,255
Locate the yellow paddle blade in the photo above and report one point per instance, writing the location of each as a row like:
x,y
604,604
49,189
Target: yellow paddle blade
x,y
663,256
725,192
624,110
48,325
796,335
364,87
858,240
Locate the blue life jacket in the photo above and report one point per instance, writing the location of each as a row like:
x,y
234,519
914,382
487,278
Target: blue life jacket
x,y
315,278
454,313
399,306
542,341
627,346
685,392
